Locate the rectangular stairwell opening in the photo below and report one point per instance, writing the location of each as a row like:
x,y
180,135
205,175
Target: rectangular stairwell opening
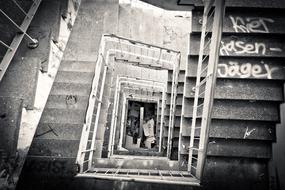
x,y
115,135
140,128
128,131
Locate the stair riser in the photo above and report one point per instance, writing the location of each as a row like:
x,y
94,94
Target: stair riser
x,y
70,89
63,116
78,66
74,77
59,131
137,164
67,102
52,147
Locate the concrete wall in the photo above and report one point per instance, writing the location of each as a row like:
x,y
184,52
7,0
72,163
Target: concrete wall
x,y
94,19
156,26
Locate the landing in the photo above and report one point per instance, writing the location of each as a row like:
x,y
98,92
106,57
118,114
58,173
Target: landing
x,y
143,175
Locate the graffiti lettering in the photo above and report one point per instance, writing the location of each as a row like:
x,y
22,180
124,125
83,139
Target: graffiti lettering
x,y
246,70
247,132
250,24
240,47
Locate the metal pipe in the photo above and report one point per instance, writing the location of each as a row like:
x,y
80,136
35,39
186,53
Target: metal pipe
x,y
19,6
18,27
142,43
4,44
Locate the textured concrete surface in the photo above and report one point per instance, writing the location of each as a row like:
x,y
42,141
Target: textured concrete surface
x,y
94,19
171,29
237,158
239,89
10,117
26,71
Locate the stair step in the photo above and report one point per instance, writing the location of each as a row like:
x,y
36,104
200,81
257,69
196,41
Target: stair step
x,y
49,166
282,113
52,147
67,102
78,66
60,88
159,163
143,152
53,115
74,77
59,131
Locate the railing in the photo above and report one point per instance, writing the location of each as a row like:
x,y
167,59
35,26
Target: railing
x,y
131,52
86,147
135,82
22,31
205,86
128,94
173,106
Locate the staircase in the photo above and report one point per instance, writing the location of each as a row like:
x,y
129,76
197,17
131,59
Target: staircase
x,y
245,108
58,133
244,114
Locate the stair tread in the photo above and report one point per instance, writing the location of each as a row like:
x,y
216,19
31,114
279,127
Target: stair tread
x,y
59,131
79,89
79,66
136,162
67,101
53,147
74,77
55,115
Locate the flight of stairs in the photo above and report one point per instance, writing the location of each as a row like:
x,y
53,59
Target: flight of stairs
x,y
245,109
59,131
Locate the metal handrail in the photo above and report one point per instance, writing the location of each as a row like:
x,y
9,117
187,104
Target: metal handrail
x,y
12,48
104,52
210,82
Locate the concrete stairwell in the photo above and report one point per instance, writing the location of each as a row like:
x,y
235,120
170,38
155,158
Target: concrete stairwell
x,y
59,130
55,145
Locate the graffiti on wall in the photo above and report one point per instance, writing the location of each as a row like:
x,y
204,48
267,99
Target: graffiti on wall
x,y
239,47
245,70
250,24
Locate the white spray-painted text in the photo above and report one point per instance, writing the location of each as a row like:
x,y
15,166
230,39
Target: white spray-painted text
x,y
245,70
250,24
240,47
